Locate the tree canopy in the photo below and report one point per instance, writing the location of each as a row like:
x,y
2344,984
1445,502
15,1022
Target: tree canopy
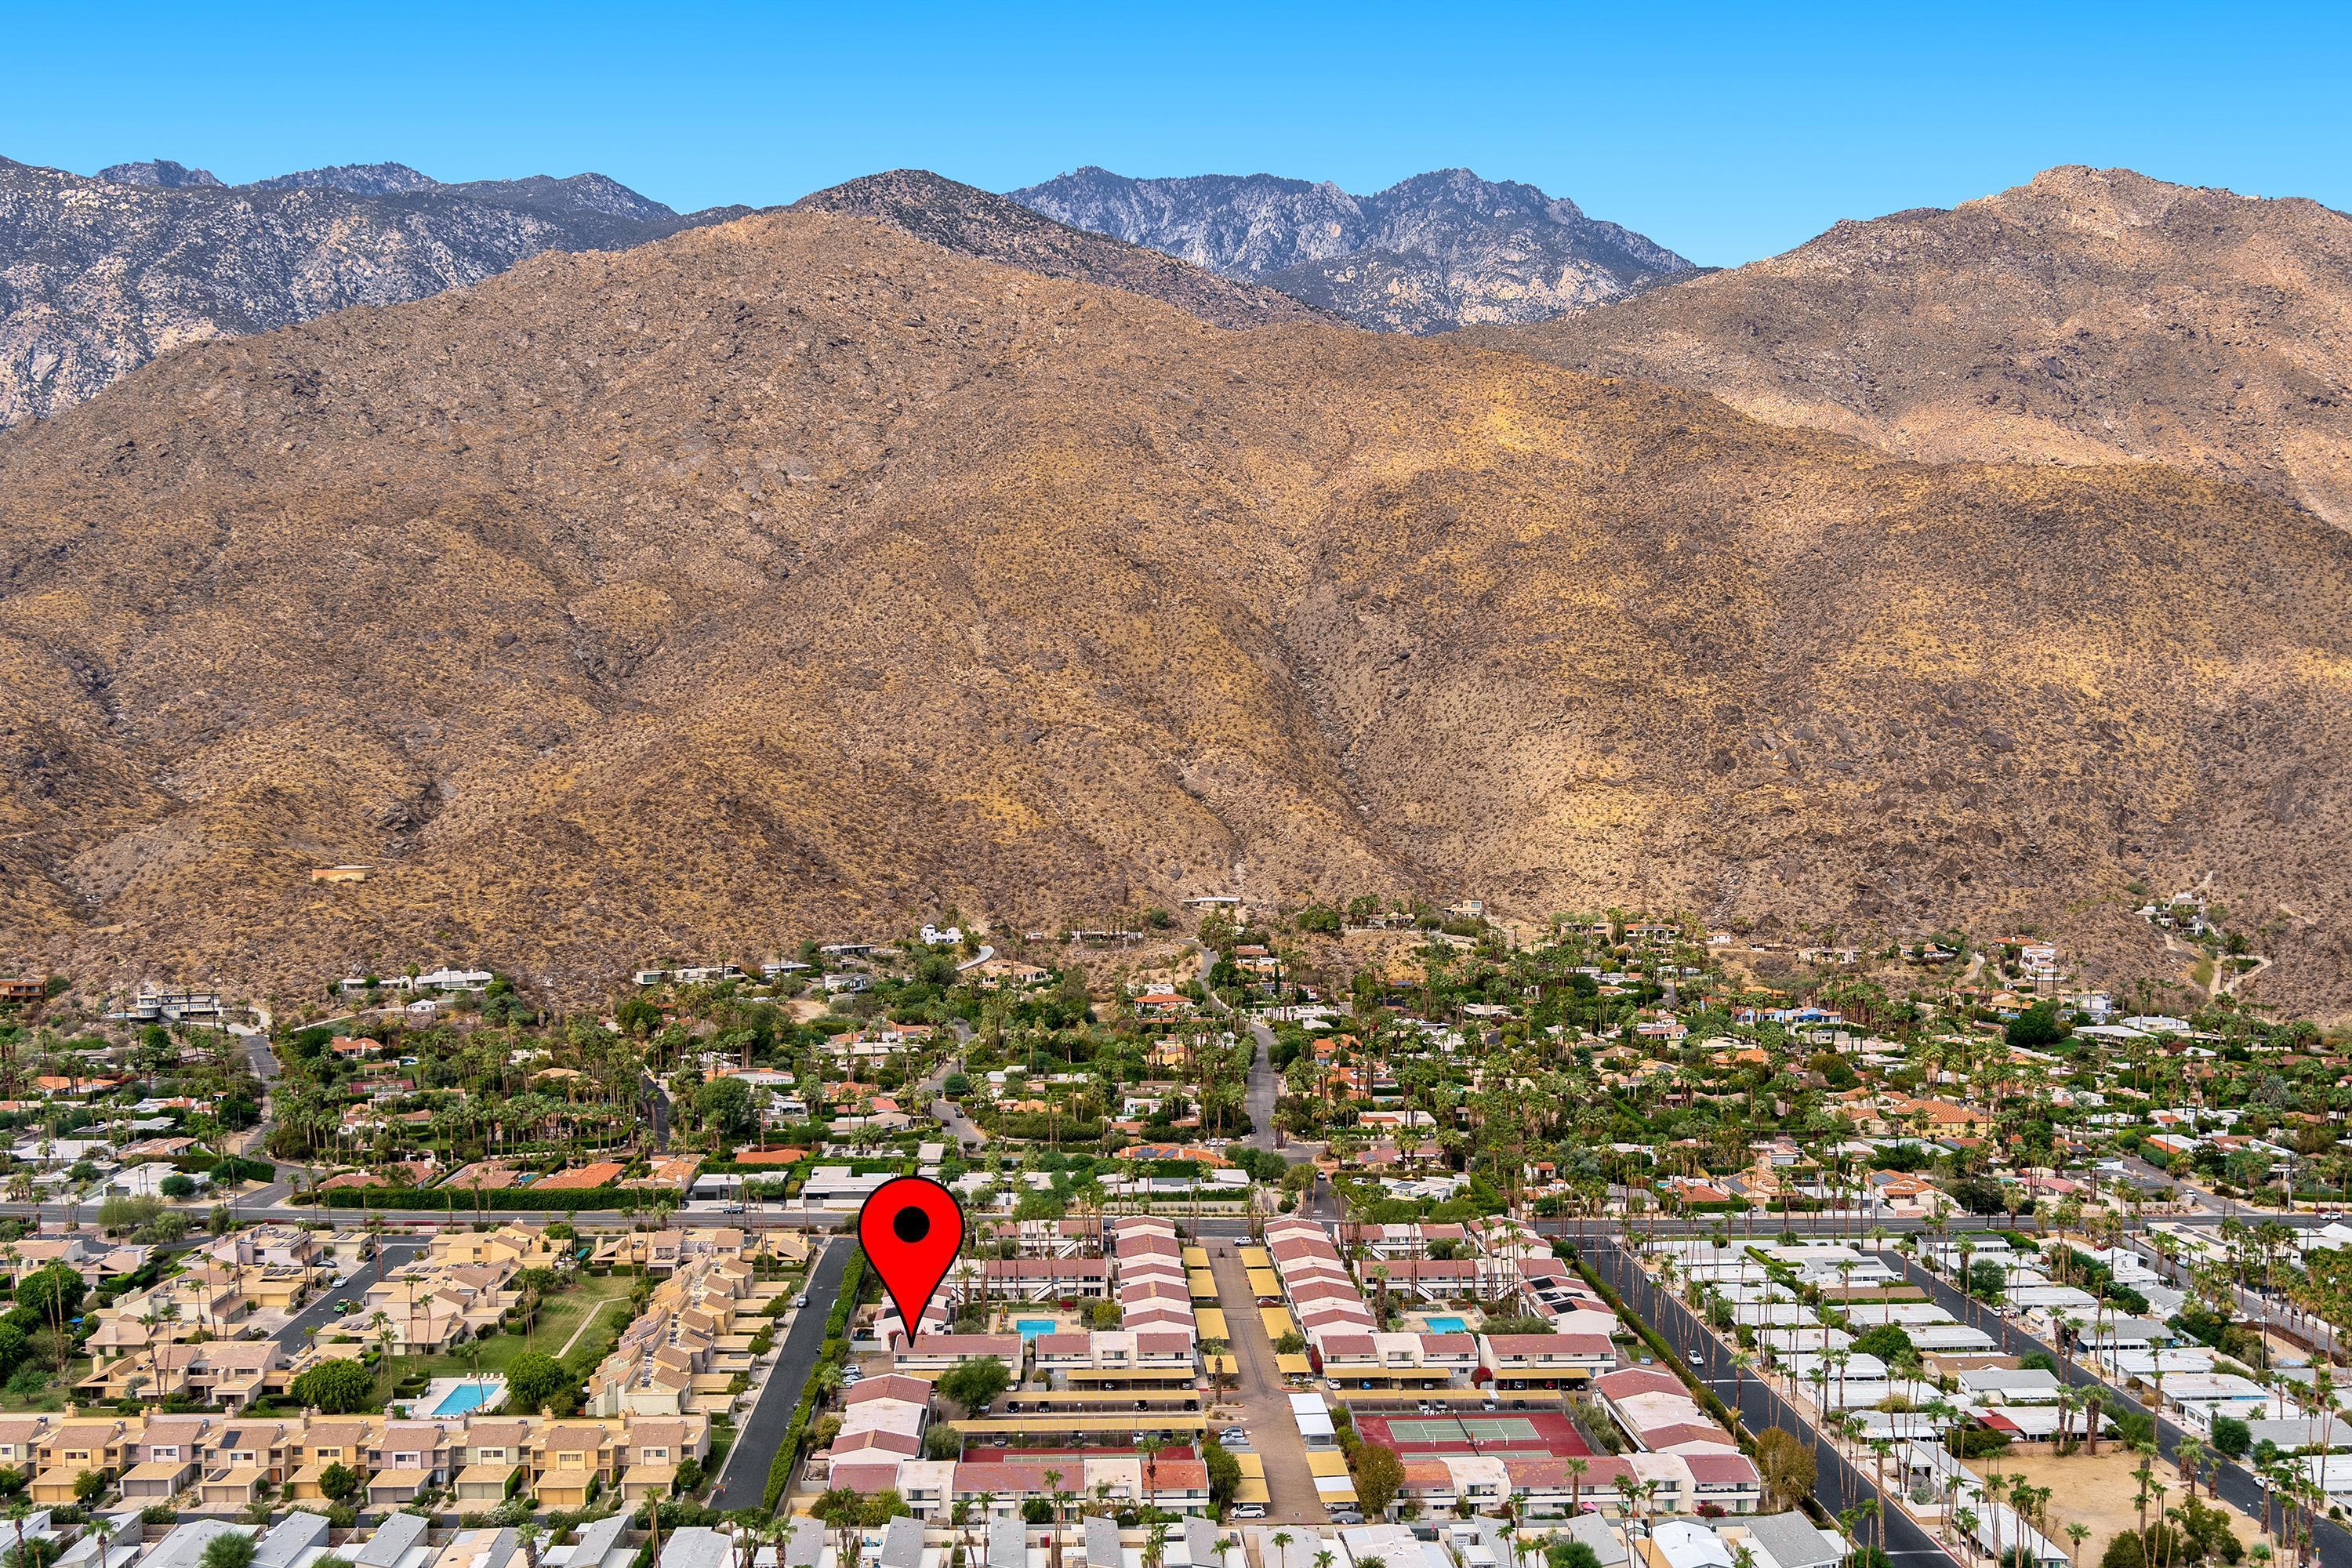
x,y
975,1382
536,1381
336,1388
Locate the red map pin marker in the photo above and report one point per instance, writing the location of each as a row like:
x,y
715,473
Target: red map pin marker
x,y
911,1228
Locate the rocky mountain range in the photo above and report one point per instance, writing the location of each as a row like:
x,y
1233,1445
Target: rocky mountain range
x,y
977,223
2091,316
790,575
1437,251
100,275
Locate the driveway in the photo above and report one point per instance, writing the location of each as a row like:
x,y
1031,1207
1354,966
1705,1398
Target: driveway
x,y
1266,1403
745,1478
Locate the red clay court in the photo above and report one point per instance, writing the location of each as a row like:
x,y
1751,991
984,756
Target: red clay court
x,y
1509,1432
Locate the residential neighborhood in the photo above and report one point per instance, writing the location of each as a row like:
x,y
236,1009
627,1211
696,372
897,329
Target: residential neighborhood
x,y
1372,1231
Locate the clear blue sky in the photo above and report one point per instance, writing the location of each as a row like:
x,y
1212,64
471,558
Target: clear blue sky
x,y
1726,132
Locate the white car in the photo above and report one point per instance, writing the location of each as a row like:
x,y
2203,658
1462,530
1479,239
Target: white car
x,y
1250,1511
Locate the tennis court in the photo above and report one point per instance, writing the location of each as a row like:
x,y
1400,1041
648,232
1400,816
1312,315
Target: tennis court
x,y
1536,1431
1464,1428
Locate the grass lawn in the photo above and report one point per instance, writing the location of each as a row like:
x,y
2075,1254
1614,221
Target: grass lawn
x,y
604,1298
723,1437
52,1397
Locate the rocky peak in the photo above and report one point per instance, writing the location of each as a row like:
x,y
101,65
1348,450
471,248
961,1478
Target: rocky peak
x,y
2088,316
160,174
2101,201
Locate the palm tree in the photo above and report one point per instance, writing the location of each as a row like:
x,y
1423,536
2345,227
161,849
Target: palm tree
x,y
2188,1456
1061,1512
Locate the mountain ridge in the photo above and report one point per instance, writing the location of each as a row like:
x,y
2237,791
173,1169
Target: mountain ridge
x,y
785,575
104,273
2086,316
1430,253
990,228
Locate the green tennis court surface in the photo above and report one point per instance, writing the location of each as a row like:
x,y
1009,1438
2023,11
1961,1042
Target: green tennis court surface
x,y
1455,1428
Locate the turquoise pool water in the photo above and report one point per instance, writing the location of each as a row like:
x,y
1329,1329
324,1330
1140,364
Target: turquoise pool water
x,y
466,1396
1448,1326
1032,1327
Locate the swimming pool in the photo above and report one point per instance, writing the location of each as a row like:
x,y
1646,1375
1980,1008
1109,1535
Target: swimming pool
x,y
1032,1327
466,1396
1448,1326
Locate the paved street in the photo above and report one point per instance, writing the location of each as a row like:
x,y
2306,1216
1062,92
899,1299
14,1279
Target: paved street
x,y
2330,1540
257,1051
655,1102
741,1483
397,1250
947,1112
1266,1403
1841,1484
1264,1086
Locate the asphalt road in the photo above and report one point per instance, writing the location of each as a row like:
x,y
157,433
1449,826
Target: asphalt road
x,y
656,1110
1840,1483
2331,1543
257,1051
759,1220
946,1113
745,1478
321,1312
1260,1097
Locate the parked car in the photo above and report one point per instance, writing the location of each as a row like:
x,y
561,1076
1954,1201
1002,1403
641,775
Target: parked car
x,y
1234,1437
800,1301
1346,1516
1249,1510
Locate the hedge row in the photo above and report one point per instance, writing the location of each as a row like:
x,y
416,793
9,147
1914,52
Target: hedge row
x,y
464,1200
837,1327
233,1169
